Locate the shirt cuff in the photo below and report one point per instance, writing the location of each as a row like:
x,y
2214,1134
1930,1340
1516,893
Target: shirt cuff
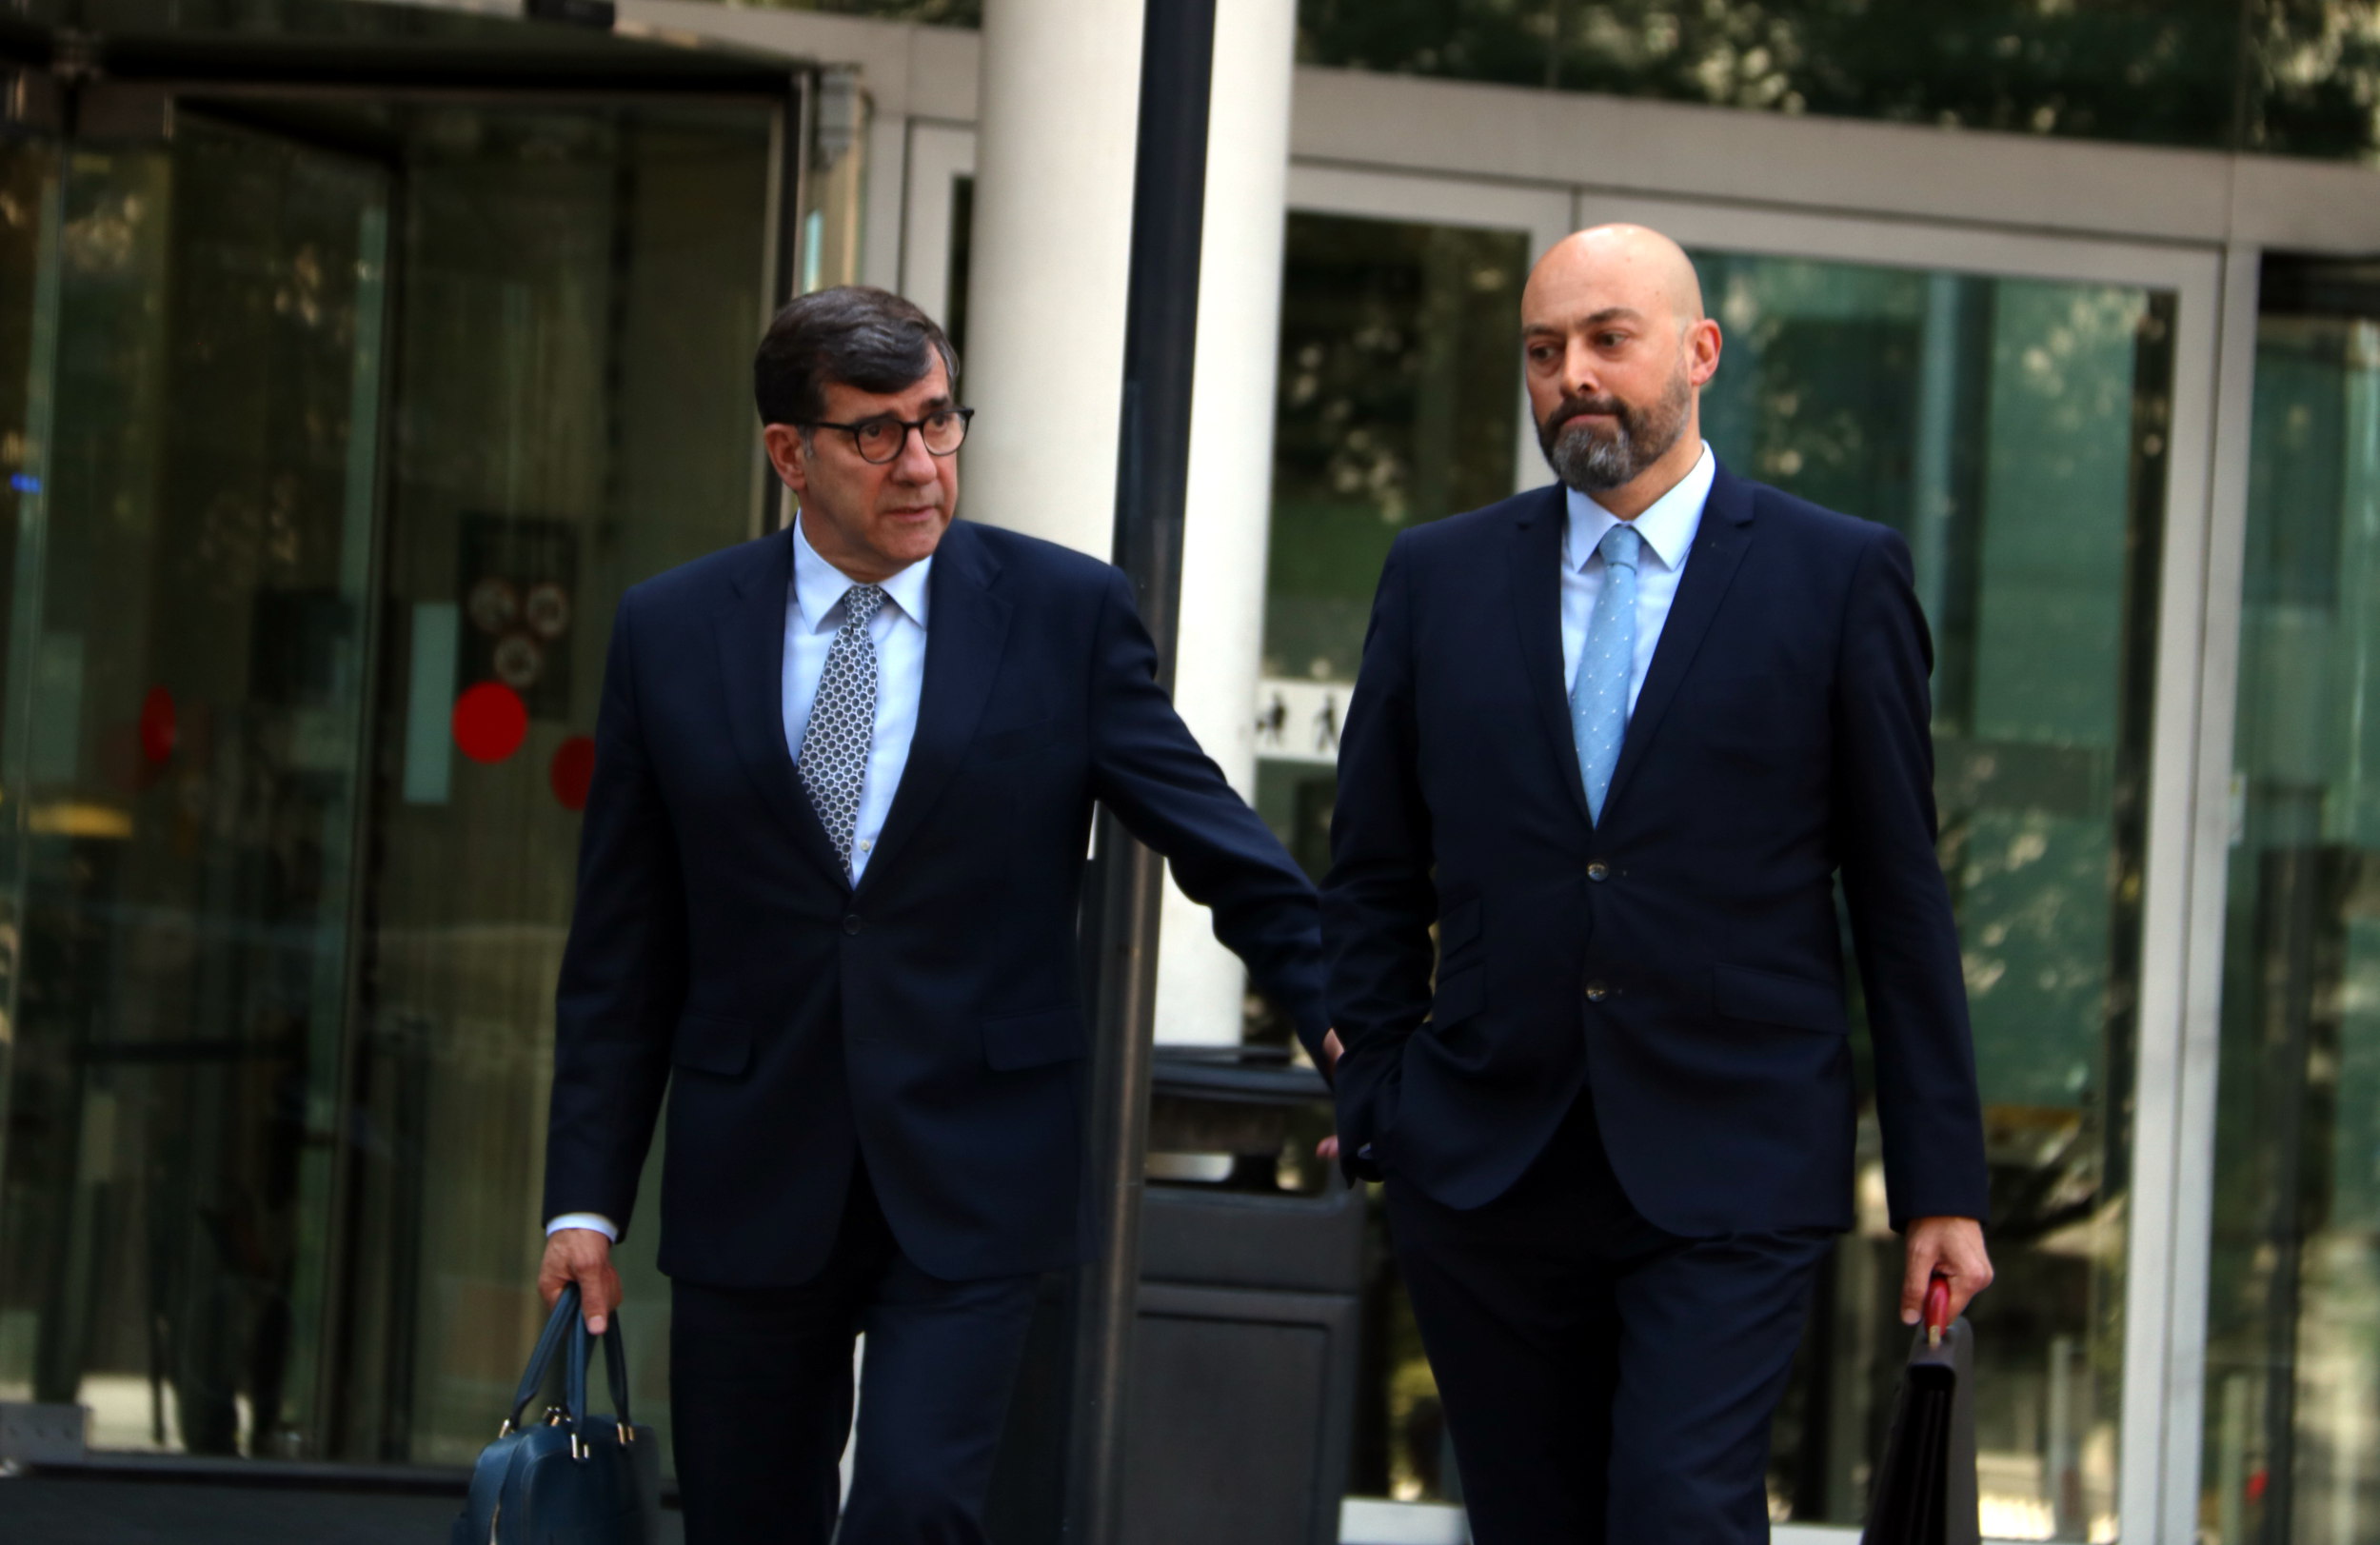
x,y
596,1221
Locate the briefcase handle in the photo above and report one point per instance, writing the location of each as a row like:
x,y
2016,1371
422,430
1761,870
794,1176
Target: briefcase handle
x,y
566,1322
1938,1309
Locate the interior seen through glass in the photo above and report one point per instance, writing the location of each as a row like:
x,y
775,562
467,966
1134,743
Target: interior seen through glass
x,y
2292,1398
320,514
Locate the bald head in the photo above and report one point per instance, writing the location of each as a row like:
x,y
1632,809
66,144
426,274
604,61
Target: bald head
x,y
1625,267
1617,348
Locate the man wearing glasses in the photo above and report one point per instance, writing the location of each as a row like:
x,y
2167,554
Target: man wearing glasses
x,y
828,898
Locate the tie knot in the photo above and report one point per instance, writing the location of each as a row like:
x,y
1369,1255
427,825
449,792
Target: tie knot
x,y
1621,546
859,604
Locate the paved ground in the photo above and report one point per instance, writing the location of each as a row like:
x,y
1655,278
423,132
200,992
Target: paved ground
x,y
48,1511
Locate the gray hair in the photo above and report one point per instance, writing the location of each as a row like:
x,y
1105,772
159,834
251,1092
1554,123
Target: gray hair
x,y
855,334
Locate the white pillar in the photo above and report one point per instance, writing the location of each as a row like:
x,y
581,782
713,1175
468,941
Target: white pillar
x,y
1057,121
1229,516
1058,124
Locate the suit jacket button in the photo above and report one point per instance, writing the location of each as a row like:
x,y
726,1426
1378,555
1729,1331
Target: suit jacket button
x,y
1598,871
1596,992
851,923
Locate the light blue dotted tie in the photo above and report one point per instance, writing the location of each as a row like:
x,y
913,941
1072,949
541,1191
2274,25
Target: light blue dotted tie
x,y
1599,698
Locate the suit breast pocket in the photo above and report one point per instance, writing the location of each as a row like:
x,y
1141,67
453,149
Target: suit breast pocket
x,y
1759,714
1018,740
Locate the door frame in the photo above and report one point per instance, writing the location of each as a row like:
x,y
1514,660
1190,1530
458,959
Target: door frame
x,y
940,154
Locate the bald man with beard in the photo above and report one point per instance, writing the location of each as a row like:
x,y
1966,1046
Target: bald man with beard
x,y
1616,742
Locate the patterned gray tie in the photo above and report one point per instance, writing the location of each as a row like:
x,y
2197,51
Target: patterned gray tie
x,y
842,723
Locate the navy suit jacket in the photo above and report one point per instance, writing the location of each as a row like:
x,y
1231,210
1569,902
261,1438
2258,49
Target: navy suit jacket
x,y
1681,961
931,1020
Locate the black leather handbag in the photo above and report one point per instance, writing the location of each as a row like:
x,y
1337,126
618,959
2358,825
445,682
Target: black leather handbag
x,y
572,1479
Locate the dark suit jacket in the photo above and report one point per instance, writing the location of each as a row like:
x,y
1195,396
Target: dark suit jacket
x,y
1681,961
931,1020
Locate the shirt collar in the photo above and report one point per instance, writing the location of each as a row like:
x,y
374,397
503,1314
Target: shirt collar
x,y
818,586
1667,526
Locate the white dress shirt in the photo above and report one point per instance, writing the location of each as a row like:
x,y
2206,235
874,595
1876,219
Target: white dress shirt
x,y
813,613
1667,530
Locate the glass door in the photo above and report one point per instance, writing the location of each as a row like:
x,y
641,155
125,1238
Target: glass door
x,y
2013,406
29,218
196,486
581,294
2291,1442
326,503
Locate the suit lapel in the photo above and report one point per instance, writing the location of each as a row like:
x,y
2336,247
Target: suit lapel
x,y
1534,604
966,628
1720,546
751,629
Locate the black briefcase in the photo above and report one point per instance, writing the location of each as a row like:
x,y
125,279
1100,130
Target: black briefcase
x,y
1925,1490
586,1478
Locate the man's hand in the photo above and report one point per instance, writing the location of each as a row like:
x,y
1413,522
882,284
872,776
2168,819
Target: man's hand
x,y
1328,1147
581,1256
1954,1247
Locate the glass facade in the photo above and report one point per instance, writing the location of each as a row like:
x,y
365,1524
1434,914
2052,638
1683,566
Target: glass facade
x,y
2293,1401
333,444
2294,78
2289,77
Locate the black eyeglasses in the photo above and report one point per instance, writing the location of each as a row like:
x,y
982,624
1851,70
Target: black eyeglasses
x,y
880,441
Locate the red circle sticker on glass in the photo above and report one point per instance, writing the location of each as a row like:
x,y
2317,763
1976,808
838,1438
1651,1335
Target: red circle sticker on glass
x,y
573,772
160,726
490,722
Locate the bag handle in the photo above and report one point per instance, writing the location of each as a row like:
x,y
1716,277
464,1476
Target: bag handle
x,y
532,1379
1938,1309
616,1370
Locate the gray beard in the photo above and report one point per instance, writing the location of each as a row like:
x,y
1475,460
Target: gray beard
x,y
1593,463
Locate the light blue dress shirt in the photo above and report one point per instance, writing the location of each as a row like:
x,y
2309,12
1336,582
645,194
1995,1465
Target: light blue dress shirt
x,y
813,612
1668,529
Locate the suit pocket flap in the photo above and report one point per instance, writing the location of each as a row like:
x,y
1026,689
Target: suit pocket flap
x,y
708,1044
1460,994
1044,1036
1742,993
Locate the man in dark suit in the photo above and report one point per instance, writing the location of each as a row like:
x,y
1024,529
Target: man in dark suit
x,y
828,898
1616,739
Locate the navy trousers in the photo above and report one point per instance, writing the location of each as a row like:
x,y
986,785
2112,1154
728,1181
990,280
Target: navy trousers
x,y
761,1396
1602,1381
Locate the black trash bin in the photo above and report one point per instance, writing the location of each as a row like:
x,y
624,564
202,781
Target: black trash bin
x,y
1245,1355
1244,1358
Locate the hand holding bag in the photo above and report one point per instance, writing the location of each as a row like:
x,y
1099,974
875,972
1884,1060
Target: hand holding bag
x,y
1925,1489
574,1478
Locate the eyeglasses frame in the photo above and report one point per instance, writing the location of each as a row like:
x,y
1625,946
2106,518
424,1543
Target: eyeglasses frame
x,y
966,416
